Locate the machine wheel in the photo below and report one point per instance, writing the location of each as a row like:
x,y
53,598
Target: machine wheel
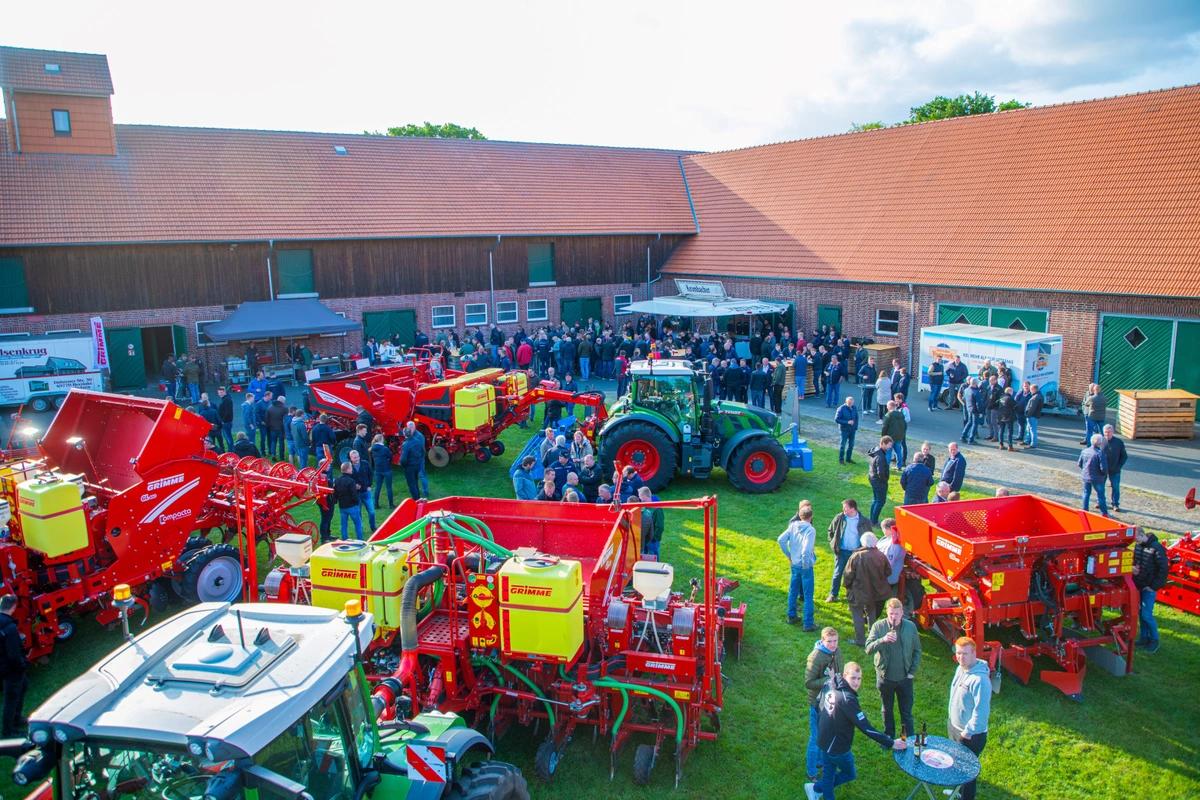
x,y
489,780
158,596
214,574
758,465
496,448
646,448
483,455
545,761
643,764
40,404
65,629
58,401
438,456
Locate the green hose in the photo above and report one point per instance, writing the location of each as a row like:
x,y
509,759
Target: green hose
x,y
458,531
621,716
525,680
633,687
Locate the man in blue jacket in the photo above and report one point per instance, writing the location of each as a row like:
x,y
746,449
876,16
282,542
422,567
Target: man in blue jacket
x,y
412,454
523,483
833,384
847,420
1093,469
955,468
867,375
916,480
1115,456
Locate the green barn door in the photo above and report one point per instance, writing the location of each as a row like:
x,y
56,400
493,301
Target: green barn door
x,y
966,315
1020,319
404,324
1135,353
1186,366
831,316
385,324
179,339
125,357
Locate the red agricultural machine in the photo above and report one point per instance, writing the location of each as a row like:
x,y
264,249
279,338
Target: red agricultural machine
x,y
1183,581
463,413
1043,570
531,613
119,488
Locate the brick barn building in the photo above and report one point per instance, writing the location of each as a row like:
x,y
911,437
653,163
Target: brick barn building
x,y
1081,219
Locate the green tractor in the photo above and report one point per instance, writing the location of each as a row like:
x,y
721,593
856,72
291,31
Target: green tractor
x,y
251,701
668,423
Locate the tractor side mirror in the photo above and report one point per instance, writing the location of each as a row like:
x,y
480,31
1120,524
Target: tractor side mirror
x,y
13,748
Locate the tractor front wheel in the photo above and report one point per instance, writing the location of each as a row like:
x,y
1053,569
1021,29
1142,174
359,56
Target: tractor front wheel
x,y
489,780
644,447
758,465
213,574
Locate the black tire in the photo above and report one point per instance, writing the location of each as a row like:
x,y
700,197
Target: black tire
x,y
628,433
489,780
546,760
483,455
40,404
758,465
58,401
496,448
643,764
438,456
158,596
213,574
65,630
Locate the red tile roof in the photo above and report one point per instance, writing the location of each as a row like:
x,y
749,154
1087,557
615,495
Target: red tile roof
x,y
196,184
1098,196
80,73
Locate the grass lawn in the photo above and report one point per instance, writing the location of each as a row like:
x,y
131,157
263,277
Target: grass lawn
x,y
1130,737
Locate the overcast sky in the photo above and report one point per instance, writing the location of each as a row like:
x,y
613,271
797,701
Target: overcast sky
x,y
694,75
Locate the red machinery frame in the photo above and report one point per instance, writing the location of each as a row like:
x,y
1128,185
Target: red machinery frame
x,y
1041,568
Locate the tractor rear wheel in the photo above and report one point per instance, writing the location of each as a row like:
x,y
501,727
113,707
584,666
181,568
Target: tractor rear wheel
x,y
643,764
489,780
758,465
213,574
646,448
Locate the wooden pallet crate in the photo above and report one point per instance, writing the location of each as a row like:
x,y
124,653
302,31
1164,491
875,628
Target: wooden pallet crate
x,y
1157,413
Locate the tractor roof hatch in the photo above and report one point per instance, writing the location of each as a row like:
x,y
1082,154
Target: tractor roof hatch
x,y
665,367
221,660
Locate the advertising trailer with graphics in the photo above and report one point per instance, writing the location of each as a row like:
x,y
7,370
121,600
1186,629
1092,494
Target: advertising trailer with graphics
x,y
40,370
1032,356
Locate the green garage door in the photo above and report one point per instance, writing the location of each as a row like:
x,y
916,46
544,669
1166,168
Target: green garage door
x,y
966,315
1135,353
125,357
831,316
578,309
384,324
1186,364
1021,319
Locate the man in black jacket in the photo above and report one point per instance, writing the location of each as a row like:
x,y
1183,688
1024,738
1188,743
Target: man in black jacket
x,y
1115,456
838,715
322,436
1150,568
878,472
345,494
15,667
412,456
1033,415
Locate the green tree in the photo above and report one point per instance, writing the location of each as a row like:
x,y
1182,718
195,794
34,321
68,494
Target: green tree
x,y
428,130
964,105
855,127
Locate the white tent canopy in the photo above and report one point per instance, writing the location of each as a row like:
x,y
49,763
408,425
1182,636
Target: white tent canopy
x,y
704,299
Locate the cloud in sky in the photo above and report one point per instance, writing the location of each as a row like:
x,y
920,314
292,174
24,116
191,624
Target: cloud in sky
x,y
663,74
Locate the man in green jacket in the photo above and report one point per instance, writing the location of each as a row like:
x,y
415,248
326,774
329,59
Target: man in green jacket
x,y
824,661
896,646
895,426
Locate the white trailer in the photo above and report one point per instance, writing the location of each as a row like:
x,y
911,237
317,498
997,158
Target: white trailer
x,y
39,371
1032,356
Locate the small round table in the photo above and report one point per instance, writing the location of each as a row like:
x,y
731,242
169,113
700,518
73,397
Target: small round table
x,y
942,763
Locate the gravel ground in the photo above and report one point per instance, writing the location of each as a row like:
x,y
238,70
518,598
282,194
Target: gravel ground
x,y
990,468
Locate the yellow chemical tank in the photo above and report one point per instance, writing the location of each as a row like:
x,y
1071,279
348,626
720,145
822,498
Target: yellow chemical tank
x,y
375,575
474,406
541,607
52,518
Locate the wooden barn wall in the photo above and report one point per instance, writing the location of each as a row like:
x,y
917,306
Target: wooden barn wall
x,y
77,279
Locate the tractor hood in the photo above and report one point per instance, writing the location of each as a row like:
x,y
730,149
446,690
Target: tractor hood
x,y
754,416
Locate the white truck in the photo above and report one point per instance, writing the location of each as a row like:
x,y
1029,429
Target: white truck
x,y
39,371
1032,356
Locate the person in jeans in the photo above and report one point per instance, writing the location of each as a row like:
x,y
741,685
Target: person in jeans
x,y
896,647
838,716
798,543
1033,415
844,534
833,381
300,437
1150,568
867,375
1093,468
937,375
895,427
970,704
847,419
381,465
1095,409
878,473
824,661
345,494
362,473
1115,456
1006,417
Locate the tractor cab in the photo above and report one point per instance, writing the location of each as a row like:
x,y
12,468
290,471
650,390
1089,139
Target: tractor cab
x,y
671,394
228,701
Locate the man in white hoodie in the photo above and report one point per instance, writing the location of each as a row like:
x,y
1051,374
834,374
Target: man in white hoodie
x,y
797,543
970,703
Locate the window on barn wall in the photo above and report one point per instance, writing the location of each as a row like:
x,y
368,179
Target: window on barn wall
x,y
621,303
443,316
541,264
506,312
14,296
63,330
887,322
202,336
295,273
475,314
535,310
